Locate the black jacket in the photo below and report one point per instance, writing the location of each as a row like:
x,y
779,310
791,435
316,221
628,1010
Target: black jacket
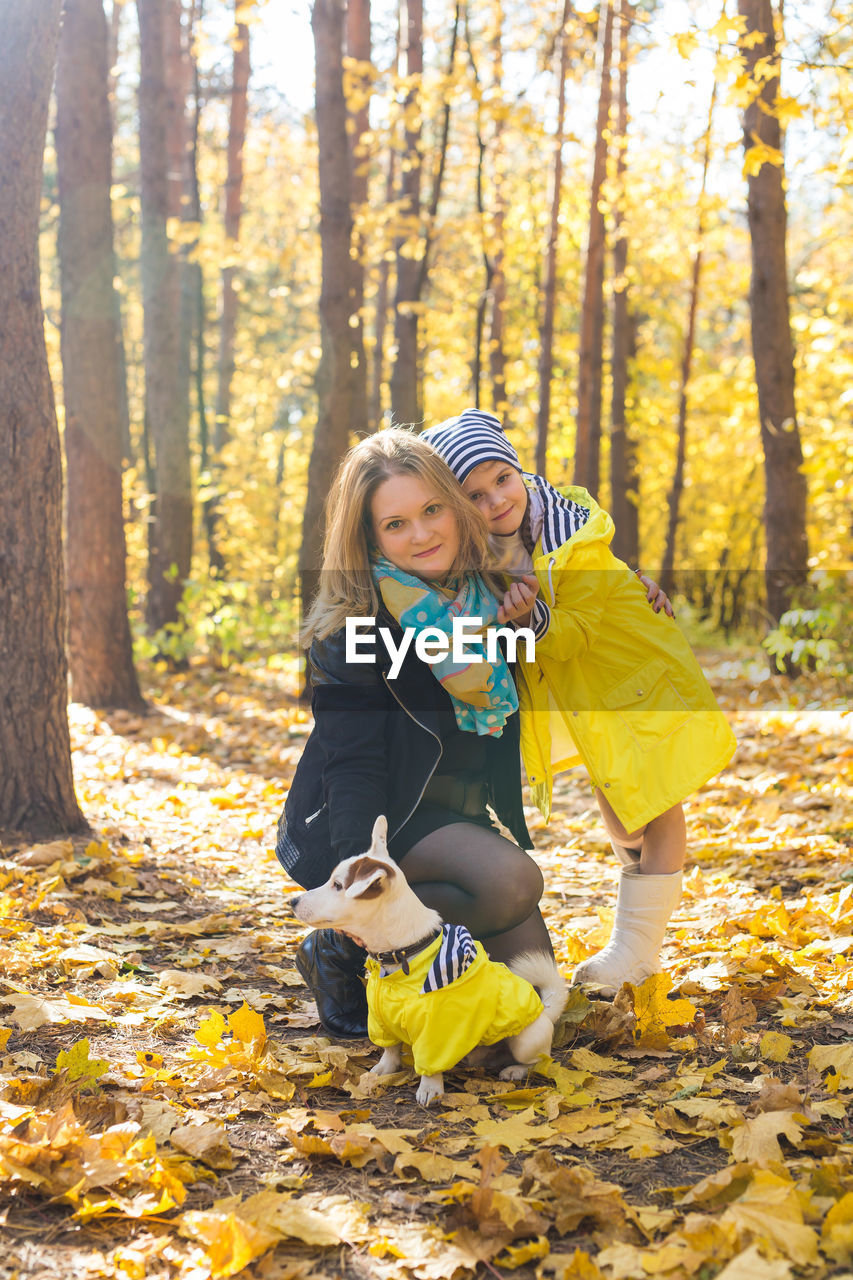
x,y
374,746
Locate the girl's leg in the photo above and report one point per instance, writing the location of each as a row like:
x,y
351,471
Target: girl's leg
x,y
648,894
661,844
473,876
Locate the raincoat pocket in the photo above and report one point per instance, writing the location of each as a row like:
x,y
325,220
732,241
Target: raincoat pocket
x,y
648,704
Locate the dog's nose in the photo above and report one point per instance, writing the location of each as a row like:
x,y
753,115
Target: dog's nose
x,y
294,902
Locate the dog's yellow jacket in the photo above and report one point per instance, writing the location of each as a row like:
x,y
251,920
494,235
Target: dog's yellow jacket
x,y
483,1005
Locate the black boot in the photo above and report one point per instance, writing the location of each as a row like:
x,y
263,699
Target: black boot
x,y
331,965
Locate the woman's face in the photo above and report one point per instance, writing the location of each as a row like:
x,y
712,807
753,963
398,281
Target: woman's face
x,y
498,490
414,527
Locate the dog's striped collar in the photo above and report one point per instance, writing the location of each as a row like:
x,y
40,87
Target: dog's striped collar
x,y
403,955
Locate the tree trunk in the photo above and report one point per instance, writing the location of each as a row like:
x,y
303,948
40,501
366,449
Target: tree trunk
x,y
496,346
100,651
36,783
590,356
380,310
166,383
667,572
405,375
772,347
624,477
359,82
238,115
549,283
334,384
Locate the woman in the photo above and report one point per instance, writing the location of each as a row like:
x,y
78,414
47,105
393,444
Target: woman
x,y
430,748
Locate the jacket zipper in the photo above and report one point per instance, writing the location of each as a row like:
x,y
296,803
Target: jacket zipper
x,y
421,725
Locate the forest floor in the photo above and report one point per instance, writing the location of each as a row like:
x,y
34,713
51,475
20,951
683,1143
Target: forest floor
x,y
171,1109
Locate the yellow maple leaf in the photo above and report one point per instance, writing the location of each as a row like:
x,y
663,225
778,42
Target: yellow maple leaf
x,y
775,1046
248,1027
515,1133
655,1014
517,1255
757,1140
210,1032
840,1058
79,1066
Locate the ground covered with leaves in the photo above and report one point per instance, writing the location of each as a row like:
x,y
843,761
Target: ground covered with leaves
x,y
170,1107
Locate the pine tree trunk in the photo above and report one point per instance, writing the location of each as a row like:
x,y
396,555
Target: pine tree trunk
x,y
237,119
549,283
590,356
624,477
334,384
667,580
358,48
405,374
166,383
99,644
773,351
36,783
496,345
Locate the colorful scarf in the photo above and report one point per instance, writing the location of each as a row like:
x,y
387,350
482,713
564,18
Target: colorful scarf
x,y
482,693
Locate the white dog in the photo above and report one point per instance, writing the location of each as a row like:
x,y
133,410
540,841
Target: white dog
x,y
429,984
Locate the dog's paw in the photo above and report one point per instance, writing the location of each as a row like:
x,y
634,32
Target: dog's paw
x,y
517,1071
429,1089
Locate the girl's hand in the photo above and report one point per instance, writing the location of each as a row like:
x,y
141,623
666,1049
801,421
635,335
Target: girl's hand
x,y
518,601
657,599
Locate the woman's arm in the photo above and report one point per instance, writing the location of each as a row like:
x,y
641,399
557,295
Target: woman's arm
x,y
350,705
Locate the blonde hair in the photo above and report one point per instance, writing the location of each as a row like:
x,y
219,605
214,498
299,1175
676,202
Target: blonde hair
x,y
346,586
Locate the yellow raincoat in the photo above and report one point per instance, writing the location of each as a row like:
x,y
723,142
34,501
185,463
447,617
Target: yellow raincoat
x,y
481,1006
614,685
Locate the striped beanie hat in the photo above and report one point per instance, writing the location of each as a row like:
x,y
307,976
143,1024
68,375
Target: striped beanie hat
x,y
474,437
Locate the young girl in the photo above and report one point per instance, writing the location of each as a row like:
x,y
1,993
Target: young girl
x,y
614,684
430,747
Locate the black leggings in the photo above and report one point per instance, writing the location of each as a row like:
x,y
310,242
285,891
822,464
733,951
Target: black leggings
x,y
467,872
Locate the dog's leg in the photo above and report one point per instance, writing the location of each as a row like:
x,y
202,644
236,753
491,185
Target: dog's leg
x,y
430,1088
528,1047
389,1062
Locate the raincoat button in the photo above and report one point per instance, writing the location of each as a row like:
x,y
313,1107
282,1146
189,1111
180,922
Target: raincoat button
x,y
607,784
639,693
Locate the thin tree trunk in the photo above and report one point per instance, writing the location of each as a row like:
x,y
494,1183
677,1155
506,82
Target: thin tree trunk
x,y
549,283
238,116
488,268
170,540
405,380
624,477
360,79
406,374
773,351
195,282
36,783
334,384
667,572
380,320
100,650
496,346
590,356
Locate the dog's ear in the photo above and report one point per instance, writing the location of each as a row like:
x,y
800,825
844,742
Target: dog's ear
x,y
366,878
379,838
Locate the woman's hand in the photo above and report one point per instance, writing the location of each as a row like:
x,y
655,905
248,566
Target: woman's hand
x,y
518,601
657,598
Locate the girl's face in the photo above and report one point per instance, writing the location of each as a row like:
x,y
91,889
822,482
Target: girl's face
x,y
414,527
499,492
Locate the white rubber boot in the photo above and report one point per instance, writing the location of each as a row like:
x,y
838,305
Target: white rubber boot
x,y
643,907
